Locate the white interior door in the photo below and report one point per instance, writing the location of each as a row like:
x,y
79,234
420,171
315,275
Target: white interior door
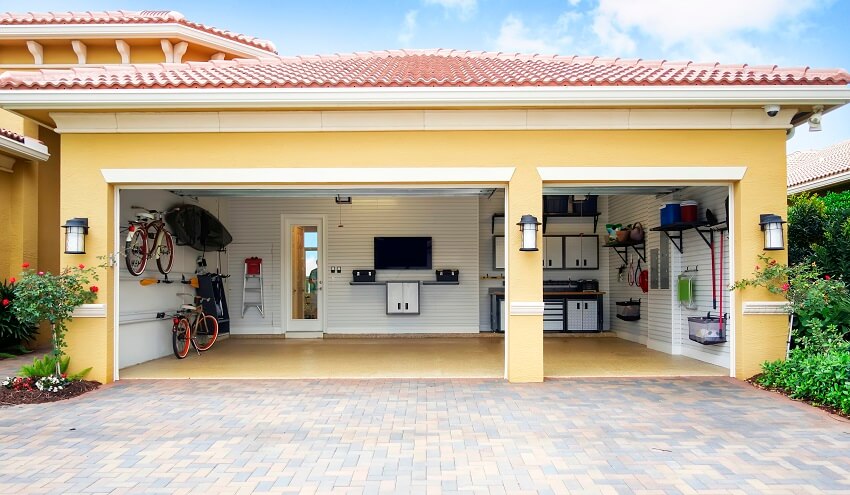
x,y
303,275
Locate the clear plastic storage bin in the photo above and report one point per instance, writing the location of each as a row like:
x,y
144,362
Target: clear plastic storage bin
x,y
707,330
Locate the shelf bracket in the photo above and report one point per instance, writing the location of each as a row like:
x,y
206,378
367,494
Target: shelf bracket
x,y
640,252
624,254
709,241
673,239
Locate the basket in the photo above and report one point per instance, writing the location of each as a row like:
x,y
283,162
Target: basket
x,y
623,235
628,310
707,330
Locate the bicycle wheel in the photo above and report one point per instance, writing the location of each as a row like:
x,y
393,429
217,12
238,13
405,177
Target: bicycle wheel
x,y
205,333
136,252
164,251
180,338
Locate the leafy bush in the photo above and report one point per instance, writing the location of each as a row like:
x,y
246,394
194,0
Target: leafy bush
x,y
46,366
806,225
13,333
823,378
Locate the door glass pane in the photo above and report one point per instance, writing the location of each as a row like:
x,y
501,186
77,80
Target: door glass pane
x,y
306,281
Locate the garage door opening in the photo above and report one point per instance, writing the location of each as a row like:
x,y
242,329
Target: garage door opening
x,y
320,283
647,276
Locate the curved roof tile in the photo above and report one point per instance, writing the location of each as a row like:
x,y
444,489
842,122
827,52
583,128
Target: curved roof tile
x,y
813,165
410,68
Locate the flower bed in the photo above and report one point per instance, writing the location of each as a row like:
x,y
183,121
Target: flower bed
x,y
22,390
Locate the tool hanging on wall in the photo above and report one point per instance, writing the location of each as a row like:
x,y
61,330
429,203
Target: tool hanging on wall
x,y
631,272
720,331
153,281
686,290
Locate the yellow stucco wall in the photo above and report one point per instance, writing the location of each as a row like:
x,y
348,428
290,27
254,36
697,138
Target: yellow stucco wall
x,y
761,191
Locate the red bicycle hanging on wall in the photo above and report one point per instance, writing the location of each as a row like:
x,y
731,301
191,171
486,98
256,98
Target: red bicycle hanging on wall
x,y
148,238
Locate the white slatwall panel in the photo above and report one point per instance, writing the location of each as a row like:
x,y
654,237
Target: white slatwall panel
x,y
698,253
496,204
451,222
145,340
663,325
253,321
625,210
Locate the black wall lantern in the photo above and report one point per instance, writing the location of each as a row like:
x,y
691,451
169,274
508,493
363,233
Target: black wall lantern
x,y
774,235
76,230
528,225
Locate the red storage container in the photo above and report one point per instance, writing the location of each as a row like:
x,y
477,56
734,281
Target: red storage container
x,y
252,266
689,211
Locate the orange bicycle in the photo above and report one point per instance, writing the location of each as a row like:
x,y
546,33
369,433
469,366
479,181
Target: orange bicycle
x,y
191,326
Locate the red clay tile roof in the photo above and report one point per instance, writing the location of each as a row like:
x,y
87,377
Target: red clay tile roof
x,y
14,136
127,17
405,68
810,166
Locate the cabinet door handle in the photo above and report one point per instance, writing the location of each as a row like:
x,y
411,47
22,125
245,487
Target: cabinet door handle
x,y
405,306
585,262
585,305
578,305
550,262
399,305
577,263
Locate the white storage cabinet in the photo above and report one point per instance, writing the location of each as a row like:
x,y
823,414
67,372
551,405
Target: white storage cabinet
x,y
402,298
582,315
582,252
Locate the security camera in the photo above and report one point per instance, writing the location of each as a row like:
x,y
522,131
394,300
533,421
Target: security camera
x,y
771,110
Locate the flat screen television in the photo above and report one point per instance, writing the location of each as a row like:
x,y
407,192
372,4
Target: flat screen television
x,y
402,253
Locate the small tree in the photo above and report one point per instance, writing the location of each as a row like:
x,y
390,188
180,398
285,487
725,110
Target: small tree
x,y
43,296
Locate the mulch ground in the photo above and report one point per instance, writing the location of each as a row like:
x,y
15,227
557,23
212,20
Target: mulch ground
x,y
10,397
752,381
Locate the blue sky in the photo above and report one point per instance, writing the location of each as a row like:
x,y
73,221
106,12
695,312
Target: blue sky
x,y
780,32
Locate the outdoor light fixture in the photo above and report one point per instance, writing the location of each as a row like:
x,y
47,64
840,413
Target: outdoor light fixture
x,y
76,230
528,225
774,236
815,119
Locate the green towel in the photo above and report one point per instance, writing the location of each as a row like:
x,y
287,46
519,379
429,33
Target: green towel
x,y
686,290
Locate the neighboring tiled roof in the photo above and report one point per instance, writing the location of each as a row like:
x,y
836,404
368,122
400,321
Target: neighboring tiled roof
x,y
14,136
127,17
815,165
431,68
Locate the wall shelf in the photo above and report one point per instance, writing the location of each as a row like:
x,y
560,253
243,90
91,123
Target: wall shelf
x,y
367,283
622,249
705,230
595,216
434,282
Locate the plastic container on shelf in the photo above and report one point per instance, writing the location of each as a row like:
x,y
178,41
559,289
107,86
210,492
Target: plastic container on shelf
x,y
671,213
689,211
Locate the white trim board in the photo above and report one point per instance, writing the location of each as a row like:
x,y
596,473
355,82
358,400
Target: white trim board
x,y
30,149
360,175
765,308
684,173
526,308
419,120
90,311
430,97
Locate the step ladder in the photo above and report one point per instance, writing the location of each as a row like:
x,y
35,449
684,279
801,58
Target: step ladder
x,y
252,286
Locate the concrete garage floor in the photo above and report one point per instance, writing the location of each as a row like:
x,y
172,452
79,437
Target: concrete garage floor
x,y
449,357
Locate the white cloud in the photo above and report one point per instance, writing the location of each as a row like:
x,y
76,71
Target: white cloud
x,y
408,28
464,9
698,28
514,36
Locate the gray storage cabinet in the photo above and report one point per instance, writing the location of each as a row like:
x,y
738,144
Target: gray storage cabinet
x,y
402,298
583,315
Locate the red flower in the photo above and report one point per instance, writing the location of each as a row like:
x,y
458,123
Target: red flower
x,y
12,280
81,266
41,273
758,268
94,289
785,287
6,302
26,265
827,277
772,262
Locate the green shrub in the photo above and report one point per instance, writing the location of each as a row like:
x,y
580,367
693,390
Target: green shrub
x,y
13,333
806,224
823,378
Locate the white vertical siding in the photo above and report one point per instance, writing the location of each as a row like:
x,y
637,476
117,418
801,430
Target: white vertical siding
x,y
146,339
452,222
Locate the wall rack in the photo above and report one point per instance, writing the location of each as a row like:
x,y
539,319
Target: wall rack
x,y
435,282
423,282
622,249
705,230
367,283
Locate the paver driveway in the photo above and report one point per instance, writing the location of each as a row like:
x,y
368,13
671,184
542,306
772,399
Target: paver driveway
x,y
698,435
